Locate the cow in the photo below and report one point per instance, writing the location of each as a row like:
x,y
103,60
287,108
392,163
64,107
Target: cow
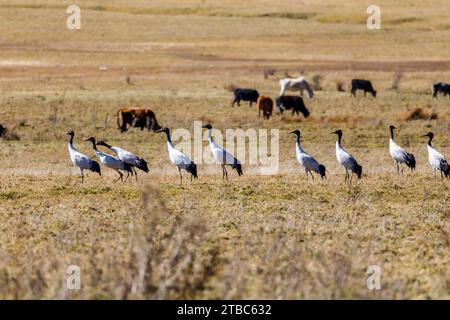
x,y
292,102
265,104
442,87
2,130
250,95
365,85
294,84
137,118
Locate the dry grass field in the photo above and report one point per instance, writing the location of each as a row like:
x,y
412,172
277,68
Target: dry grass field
x,y
256,236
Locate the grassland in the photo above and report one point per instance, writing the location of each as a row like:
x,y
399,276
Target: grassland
x,y
277,236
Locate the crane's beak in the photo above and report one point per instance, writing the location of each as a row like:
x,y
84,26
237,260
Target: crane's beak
x,y
425,135
159,130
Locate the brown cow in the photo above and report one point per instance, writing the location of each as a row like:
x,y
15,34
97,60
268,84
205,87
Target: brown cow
x,y
137,118
265,104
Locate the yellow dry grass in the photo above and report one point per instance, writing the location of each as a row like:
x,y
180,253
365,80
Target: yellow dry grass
x,y
255,236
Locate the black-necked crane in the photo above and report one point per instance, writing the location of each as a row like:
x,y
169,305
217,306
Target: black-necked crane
x,y
127,157
179,159
346,159
222,156
110,161
82,161
436,159
308,162
400,155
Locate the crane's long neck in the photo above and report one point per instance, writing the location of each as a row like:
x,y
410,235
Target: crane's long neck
x,y
209,135
339,140
392,133
299,146
430,138
169,140
71,140
94,146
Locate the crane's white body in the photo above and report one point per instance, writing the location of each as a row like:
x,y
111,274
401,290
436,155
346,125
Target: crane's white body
x,y
109,161
221,155
306,161
344,158
398,154
80,160
125,156
435,158
178,158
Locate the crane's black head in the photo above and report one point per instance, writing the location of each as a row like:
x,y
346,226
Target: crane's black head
x,y
207,126
91,139
338,132
296,132
164,129
429,135
70,133
392,128
103,143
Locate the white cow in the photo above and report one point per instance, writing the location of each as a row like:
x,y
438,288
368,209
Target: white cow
x,y
294,84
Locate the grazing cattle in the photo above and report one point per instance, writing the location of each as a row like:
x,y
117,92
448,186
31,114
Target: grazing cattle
x,y
294,84
442,87
2,130
265,104
137,118
292,102
250,95
365,85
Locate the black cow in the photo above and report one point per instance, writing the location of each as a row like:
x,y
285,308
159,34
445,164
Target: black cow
x,y
245,95
442,87
292,102
366,85
2,130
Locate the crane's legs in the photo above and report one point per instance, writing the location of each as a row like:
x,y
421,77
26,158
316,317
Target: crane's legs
x,y
82,176
181,176
135,172
120,176
306,172
224,172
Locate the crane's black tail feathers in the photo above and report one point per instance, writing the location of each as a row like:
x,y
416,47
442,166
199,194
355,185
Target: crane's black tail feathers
x,y
445,168
142,164
358,171
95,167
192,169
322,170
411,161
238,167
